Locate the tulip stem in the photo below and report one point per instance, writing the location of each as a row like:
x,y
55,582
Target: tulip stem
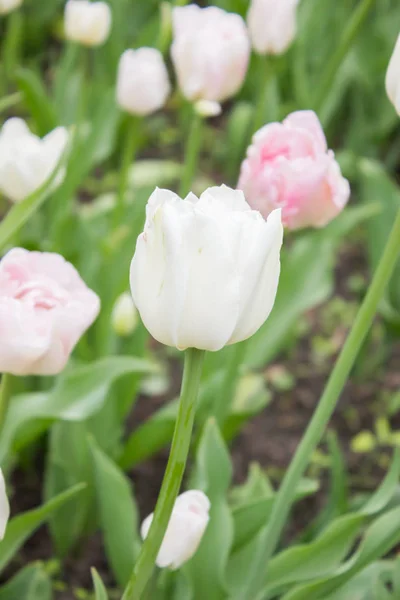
x,y
191,154
127,158
357,18
284,498
172,477
11,45
266,71
5,396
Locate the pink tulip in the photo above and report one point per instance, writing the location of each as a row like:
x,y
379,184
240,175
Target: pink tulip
x,y
45,308
289,166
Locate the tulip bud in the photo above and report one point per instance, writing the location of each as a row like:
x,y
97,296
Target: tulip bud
x,y
210,52
142,84
207,108
7,6
289,166
4,506
393,77
272,25
26,161
87,23
205,270
185,529
124,316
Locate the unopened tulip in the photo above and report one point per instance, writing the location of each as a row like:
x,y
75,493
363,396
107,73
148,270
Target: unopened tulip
x,y
45,308
210,52
87,23
124,316
185,529
289,166
4,506
27,161
7,6
272,25
393,77
205,270
143,84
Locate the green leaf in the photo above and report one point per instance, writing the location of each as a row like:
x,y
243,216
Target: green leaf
x,y
37,100
118,514
380,538
22,526
19,213
99,588
79,393
213,473
31,583
367,585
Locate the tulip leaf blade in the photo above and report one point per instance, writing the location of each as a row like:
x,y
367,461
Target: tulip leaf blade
x,y
99,587
118,514
31,583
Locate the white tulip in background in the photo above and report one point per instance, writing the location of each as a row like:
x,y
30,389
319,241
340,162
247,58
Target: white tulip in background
x,y
185,529
210,52
272,25
142,84
4,506
7,6
205,270
88,23
393,77
27,161
124,316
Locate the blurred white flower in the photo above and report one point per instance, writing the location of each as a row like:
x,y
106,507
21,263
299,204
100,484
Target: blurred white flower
x,y
124,316
393,77
27,161
142,84
4,506
7,6
272,25
185,529
88,23
205,270
210,52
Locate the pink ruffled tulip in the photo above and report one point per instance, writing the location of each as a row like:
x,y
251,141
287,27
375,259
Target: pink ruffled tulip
x,y
210,52
289,166
45,308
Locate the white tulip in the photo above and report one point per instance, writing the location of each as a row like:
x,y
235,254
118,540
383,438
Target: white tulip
x,y
142,84
4,506
124,316
210,52
87,23
185,529
205,270
272,25
27,161
7,6
393,77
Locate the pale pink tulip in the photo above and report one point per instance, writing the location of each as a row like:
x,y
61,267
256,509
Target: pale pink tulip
x,y
289,166
45,308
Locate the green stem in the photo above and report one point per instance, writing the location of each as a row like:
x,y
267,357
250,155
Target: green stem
x,y
12,44
229,381
264,79
191,154
283,500
353,26
128,154
5,396
9,101
173,475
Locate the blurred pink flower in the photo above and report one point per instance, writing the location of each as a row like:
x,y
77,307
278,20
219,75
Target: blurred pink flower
x,y
210,52
289,166
45,308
